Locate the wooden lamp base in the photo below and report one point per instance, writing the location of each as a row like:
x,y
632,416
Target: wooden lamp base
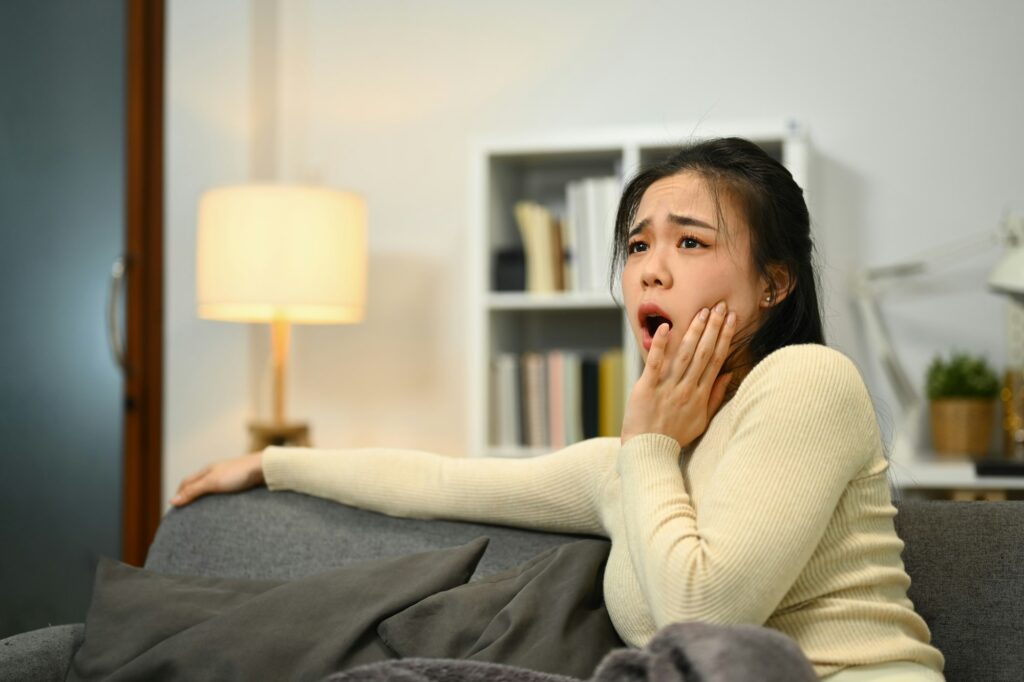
x,y
278,430
262,434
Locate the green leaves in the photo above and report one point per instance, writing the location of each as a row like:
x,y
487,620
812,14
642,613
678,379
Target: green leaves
x,y
963,376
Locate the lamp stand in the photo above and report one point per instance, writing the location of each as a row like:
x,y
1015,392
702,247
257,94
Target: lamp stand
x,y
278,431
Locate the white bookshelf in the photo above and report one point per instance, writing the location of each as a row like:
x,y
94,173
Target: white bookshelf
x,y
537,167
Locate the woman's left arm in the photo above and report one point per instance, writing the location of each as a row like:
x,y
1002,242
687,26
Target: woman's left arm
x,y
804,426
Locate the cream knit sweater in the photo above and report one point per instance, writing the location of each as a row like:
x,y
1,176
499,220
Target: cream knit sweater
x,y
779,515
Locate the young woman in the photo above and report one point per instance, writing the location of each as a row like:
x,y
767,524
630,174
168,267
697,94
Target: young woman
x,y
749,483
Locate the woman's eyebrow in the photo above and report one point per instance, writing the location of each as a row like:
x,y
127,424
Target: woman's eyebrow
x,y
680,220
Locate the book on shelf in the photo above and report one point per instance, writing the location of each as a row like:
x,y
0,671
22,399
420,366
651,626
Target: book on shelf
x,y
611,403
534,400
506,415
588,400
571,396
542,243
572,239
590,206
571,252
556,398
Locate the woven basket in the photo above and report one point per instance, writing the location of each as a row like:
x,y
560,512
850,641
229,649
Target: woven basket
x,y
962,426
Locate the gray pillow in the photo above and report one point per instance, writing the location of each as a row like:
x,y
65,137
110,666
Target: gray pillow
x,y
547,615
145,625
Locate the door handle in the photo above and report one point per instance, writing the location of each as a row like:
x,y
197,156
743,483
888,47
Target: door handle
x,y
117,275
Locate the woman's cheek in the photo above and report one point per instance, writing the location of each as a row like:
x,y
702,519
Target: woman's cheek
x,y
745,320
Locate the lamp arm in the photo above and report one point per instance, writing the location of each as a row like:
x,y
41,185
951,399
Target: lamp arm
x,y
910,402
870,283
881,344
882,277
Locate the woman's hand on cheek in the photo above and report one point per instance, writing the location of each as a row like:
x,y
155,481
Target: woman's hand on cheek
x,y
680,389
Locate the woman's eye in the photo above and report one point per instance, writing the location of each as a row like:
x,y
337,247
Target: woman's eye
x,y
634,247
690,243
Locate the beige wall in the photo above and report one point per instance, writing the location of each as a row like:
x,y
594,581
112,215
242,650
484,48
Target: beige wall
x,y
914,110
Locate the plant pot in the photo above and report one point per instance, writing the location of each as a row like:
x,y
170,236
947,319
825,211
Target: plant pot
x,y
962,426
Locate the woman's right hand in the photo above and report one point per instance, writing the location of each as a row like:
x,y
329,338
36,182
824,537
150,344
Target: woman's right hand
x,y
681,388
228,476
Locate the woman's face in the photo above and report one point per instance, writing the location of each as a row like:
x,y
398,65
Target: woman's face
x,y
679,259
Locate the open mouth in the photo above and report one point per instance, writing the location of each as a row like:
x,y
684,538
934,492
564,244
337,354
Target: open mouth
x,y
652,322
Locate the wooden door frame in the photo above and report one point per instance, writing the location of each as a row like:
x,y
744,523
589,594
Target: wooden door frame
x,y
144,260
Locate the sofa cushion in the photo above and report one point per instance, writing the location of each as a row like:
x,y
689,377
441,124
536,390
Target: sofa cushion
x,y
145,625
547,614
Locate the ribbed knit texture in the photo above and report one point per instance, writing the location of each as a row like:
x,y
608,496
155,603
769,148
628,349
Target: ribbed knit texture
x,y
779,515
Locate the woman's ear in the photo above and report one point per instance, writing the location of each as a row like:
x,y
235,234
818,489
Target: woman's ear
x,y
778,287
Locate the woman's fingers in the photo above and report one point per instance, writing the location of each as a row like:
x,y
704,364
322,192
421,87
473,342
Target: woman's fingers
x,y
192,487
683,356
672,396
703,349
719,352
197,475
187,493
188,481
656,355
700,353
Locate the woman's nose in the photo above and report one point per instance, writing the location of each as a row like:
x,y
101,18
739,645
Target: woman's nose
x,y
655,271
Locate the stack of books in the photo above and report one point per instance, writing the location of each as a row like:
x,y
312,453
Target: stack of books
x,y
571,252
557,398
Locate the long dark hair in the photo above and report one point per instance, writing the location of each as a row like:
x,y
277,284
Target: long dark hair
x,y
780,233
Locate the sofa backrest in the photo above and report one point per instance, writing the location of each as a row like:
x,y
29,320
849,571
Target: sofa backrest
x,y
284,535
966,566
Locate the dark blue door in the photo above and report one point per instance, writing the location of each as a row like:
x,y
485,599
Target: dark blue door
x,y
62,160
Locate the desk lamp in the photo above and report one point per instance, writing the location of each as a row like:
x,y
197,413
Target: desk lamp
x,y
281,254
1007,277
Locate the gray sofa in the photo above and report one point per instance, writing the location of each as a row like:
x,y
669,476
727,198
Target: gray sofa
x,y
966,561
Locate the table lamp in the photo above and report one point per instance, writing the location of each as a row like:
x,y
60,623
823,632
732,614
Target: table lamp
x,y
281,254
1007,277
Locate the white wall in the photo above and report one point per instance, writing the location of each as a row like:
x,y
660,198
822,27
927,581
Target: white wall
x,y
914,111
209,133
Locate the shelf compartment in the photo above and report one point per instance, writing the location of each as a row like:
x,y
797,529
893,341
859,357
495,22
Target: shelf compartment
x,y
541,178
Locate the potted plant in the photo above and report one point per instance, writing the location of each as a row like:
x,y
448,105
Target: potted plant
x,y
962,392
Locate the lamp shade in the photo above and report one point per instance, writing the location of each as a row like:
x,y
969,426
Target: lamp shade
x,y
1008,275
281,252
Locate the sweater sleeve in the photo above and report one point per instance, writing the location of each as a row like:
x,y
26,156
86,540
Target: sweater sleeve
x,y
803,427
555,492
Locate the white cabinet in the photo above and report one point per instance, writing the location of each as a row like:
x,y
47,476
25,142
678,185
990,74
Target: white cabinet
x,y
538,168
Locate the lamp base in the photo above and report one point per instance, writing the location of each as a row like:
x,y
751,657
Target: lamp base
x,y
262,434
